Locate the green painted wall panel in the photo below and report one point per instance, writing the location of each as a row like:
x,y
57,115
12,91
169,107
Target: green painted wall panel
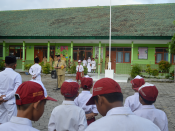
x,y
123,68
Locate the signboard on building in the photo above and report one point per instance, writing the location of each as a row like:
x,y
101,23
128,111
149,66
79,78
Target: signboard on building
x,y
143,53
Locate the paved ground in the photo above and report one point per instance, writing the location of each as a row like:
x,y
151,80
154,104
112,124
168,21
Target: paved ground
x,y
165,100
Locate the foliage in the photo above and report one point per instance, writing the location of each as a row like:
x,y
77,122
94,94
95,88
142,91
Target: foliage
x,y
27,66
2,65
149,70
73,69
172,74
85,70
167,76
155,72
164,66
136,70
46,68
41,63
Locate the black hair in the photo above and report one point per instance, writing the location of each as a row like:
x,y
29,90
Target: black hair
x,y
111,97
86,87
146,101
10,65
70,98
36,60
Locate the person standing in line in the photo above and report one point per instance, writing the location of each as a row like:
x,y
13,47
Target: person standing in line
x,y
106,61
147,96
9,83
45,60
79,70
60,66
63,58
93,62
51,62
89,64
101,62
35,70
84,62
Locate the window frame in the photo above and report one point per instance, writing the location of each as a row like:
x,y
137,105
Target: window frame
x,y
14,50
123,55
160,53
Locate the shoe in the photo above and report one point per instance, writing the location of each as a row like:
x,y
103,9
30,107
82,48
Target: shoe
x,y
56,89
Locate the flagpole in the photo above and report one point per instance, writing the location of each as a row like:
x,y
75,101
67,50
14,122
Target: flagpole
x,y
110,40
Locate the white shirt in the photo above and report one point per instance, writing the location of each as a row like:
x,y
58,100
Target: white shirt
x,y
67,117
157,116
81,101
18,124
80,67
9,83
35,70
122,119
133,102
84,63
89,60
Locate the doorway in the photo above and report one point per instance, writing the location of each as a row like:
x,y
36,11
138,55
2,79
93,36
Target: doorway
x,y
113,59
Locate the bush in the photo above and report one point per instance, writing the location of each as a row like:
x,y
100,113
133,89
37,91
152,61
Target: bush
x,y
85,70
172,74
27,66
164,66
2,65
136,70
155,72
46,68
41,63
149,70
73,69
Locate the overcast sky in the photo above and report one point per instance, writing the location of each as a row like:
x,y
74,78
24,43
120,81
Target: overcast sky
x,y
42,4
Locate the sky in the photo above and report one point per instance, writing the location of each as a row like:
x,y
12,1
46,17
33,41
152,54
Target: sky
x,y
43,4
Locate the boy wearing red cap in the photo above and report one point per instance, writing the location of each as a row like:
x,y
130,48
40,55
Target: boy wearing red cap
x,y
79,70
133,101
84,96
108,98
68,116
147,96
31,97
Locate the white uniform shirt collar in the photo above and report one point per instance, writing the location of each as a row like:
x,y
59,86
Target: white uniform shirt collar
x,y
9,69
136,93
20,120
148,107
120,111
68,102
87,92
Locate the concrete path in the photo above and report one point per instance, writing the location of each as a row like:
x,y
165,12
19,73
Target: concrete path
x,y
165,100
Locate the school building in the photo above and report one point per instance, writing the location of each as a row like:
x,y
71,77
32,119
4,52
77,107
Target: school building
x,y
140,34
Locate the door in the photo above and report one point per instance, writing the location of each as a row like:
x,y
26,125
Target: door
x,y
39,53
113,59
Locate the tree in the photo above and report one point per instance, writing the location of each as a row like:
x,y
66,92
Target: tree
x,y
172,43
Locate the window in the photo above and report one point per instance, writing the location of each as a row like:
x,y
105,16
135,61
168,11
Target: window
x,y
123,55
16,51
161,54
1,51
79,53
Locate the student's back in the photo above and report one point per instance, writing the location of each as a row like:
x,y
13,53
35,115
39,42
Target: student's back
x,y
122,119
67,117
157,116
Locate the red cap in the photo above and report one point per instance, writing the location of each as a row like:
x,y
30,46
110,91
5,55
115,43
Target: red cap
x,y
104,86
69,88
31,92
148,91
86,82
137,82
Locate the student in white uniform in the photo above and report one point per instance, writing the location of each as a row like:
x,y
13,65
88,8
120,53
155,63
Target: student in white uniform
x,y
148,94
79,70
108,98
133,101
68,116
31,97
84,96
93,62
84,62
35,70
9,83
89,64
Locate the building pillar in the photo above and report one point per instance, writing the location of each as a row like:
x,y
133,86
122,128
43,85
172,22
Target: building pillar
x,y
3,50
169,53
71,51
48,51
132,53
23,56
99,58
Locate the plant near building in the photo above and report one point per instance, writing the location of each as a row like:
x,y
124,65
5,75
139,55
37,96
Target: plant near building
x,y
73,69
27,66
136,70
155,72
149,70
172,74
41,63
164,66
2,65
46,68
85,70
